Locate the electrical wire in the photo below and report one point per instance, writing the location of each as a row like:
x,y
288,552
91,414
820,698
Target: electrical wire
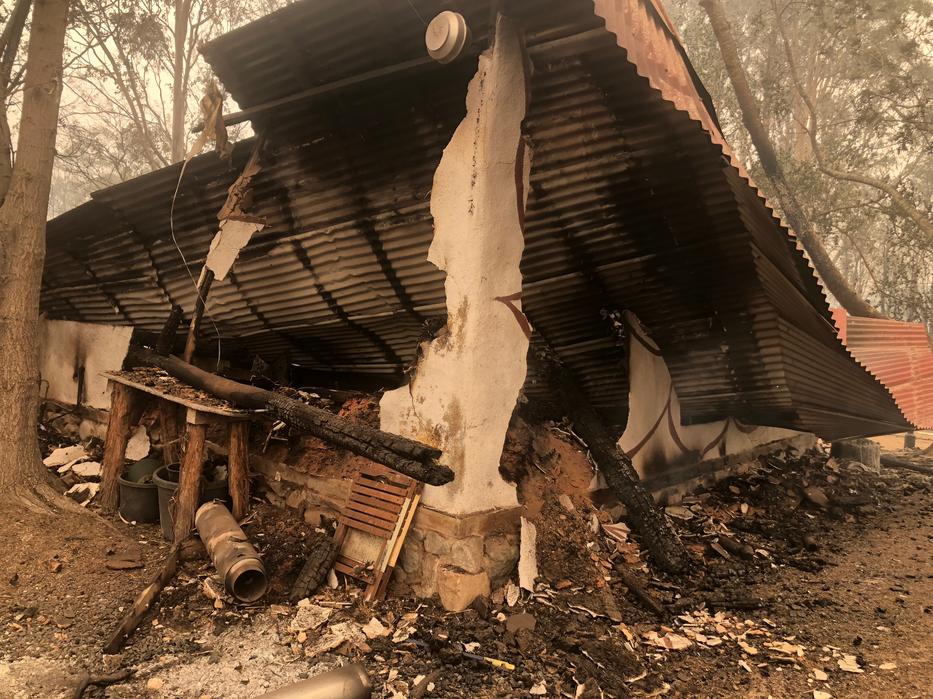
x,y
197,291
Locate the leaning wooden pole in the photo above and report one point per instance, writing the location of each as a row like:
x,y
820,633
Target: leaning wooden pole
x,y
414,459
145,600
646,518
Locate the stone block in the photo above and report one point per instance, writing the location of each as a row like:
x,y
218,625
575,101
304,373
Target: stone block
x,y
411,557
436,544
466,554
429,565
457,589
312,517
296,498
501,556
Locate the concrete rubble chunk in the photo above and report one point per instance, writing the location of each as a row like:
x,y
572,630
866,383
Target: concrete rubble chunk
x,y
65,455
138,445
528,556
87,469
309,617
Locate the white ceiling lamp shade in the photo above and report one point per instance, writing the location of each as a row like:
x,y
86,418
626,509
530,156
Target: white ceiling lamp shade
x,y
446,37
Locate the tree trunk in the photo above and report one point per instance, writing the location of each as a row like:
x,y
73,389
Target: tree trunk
x,y
179,86
793,211
646,518
22,254
9,46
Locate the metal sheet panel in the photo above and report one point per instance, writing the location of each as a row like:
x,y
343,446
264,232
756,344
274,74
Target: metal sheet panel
x,y
635,203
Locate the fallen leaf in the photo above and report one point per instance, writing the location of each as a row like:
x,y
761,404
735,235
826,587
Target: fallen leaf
x,y
817,694
820,675
539,690
887,666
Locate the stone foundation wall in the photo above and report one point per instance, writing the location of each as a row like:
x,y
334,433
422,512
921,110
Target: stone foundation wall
x,y
449,555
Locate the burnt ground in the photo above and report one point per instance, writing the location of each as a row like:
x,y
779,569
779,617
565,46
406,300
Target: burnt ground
x,y
839,584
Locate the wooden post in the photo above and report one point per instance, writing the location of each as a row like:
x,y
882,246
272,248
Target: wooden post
x,y
204,288
189,482
170,422
122,403
238,467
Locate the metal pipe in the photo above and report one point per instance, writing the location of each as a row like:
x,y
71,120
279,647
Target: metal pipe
x,y
347,682
236,560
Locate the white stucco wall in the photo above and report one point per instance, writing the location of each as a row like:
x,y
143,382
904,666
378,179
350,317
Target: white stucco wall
x,y
649,389
468,379
65,345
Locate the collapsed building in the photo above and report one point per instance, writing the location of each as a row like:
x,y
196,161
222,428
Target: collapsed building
x,y
559,187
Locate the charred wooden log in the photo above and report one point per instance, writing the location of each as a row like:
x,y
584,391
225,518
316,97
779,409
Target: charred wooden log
x,y
414,459
169,331
646,518
894,462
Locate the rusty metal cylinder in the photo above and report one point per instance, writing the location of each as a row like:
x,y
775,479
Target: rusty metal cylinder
x,y
347,682
236,560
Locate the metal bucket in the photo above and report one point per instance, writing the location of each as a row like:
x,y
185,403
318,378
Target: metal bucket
x,y
139,502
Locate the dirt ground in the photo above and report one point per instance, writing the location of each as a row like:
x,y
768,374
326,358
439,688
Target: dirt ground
x,y
835,597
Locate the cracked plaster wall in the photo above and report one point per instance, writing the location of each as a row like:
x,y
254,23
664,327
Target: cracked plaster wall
x,y
468,379
649,389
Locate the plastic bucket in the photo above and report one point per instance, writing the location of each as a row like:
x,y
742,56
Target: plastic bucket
x,y
166,482
139,502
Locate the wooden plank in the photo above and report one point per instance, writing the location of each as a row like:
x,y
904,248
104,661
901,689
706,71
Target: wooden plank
x,y
365,513
232,413
385,554
378,494
388,483
389,507
384,487
364,526
353,568
397,547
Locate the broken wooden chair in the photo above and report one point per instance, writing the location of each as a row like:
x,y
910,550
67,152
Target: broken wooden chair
x,y
373,526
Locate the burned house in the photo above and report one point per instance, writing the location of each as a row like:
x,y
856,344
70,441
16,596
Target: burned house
x,y
560,186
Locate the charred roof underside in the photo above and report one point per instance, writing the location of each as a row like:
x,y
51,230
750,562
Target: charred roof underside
x,y
635,204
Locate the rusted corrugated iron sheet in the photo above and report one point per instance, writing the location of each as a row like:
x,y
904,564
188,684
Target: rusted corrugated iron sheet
x,y
899,355
634,204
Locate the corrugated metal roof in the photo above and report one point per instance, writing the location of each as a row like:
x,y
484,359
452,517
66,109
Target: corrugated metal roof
x,y
635,203
899,355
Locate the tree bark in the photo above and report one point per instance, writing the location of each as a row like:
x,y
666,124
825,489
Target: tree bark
x,y
9,46
646,518
238,468
179,78
122,399
414,459
22,254
189,482
793,211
